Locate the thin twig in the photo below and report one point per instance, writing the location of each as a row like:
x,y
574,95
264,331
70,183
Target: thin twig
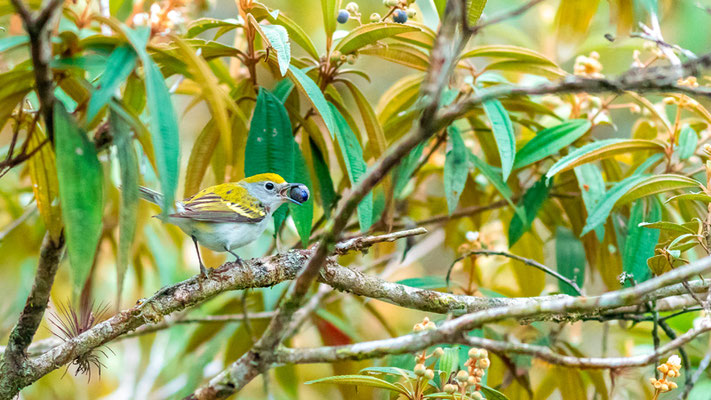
x,y
527,261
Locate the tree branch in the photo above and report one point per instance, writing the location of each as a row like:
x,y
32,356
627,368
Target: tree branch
x,y
14,362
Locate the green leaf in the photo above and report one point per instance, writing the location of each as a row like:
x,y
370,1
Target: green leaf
x,y
592,189
398,372
688,139
474,10
531,202
551,140
353,156
369,34
495,180
376,136
328,7
509,52
449,362
600,150
602,209
360,380
200,156
296,33
402,54
270,144
163,120
425,282
43,173
407,167
118,67
503,133
203,24
668,226
700,196
325,184
314,95
657,184
570,259
303,214
277,38
492,394
640,242
81,193
128,165
456,168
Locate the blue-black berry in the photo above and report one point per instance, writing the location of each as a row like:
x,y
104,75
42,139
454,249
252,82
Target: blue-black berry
x,y
343,16
400,16
299,194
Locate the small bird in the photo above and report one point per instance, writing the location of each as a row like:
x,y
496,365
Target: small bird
x,y
230,215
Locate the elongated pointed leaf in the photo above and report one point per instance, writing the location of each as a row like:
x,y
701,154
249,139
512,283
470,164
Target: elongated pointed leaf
x,y
570,259
495,180
325,184
503,133
118,67
376,136
600,150
356,166
128,165
218,101
640,242
43,173
474,10
200,157
303,214
456,168
700,196
602,210
551,140
277,38
407,167
658,184
592,190
509,52
328,7
369,34
530,203
360,380
163,121
402,54
270,147
314,95
296,33
81,193
688,139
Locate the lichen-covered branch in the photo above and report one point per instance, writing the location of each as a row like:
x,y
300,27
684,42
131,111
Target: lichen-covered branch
x,y
14,362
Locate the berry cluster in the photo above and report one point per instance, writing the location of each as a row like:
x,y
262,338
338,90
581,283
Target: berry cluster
x,y
400,10
470,380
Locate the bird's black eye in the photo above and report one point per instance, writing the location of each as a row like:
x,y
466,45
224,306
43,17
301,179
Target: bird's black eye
x,y
269,186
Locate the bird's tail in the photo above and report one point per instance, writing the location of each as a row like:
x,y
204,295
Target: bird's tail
x,y
150,195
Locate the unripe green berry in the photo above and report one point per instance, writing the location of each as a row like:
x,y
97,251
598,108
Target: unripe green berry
x,y
420,369
438,352
335,56
462,376
351,59
411,12
429,374
352,7
374,17
474,353
449,388
477,396
390,3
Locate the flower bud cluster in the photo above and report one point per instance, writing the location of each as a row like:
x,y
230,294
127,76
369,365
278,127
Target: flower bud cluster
x,y
588,66
421,370
469,380
162,17
669,369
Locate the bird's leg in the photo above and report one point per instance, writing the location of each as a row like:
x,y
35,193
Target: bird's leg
x,y
238,259
203,270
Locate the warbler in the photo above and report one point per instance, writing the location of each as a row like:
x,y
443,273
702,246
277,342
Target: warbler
x,y
230,215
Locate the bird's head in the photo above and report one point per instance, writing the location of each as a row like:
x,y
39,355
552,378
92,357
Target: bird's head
x,y
272,190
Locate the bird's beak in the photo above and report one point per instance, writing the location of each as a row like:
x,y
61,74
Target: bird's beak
x,y
296,193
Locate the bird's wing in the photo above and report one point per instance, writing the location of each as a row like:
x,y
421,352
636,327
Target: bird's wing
x,y
223,203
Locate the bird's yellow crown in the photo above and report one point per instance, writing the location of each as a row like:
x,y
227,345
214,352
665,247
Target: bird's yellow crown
x,y
263,178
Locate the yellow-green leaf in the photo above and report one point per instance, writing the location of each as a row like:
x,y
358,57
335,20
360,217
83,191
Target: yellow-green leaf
x,y
369,34
43,173
657,184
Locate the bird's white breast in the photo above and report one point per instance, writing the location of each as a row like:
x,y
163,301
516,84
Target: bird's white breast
x,y
218,236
